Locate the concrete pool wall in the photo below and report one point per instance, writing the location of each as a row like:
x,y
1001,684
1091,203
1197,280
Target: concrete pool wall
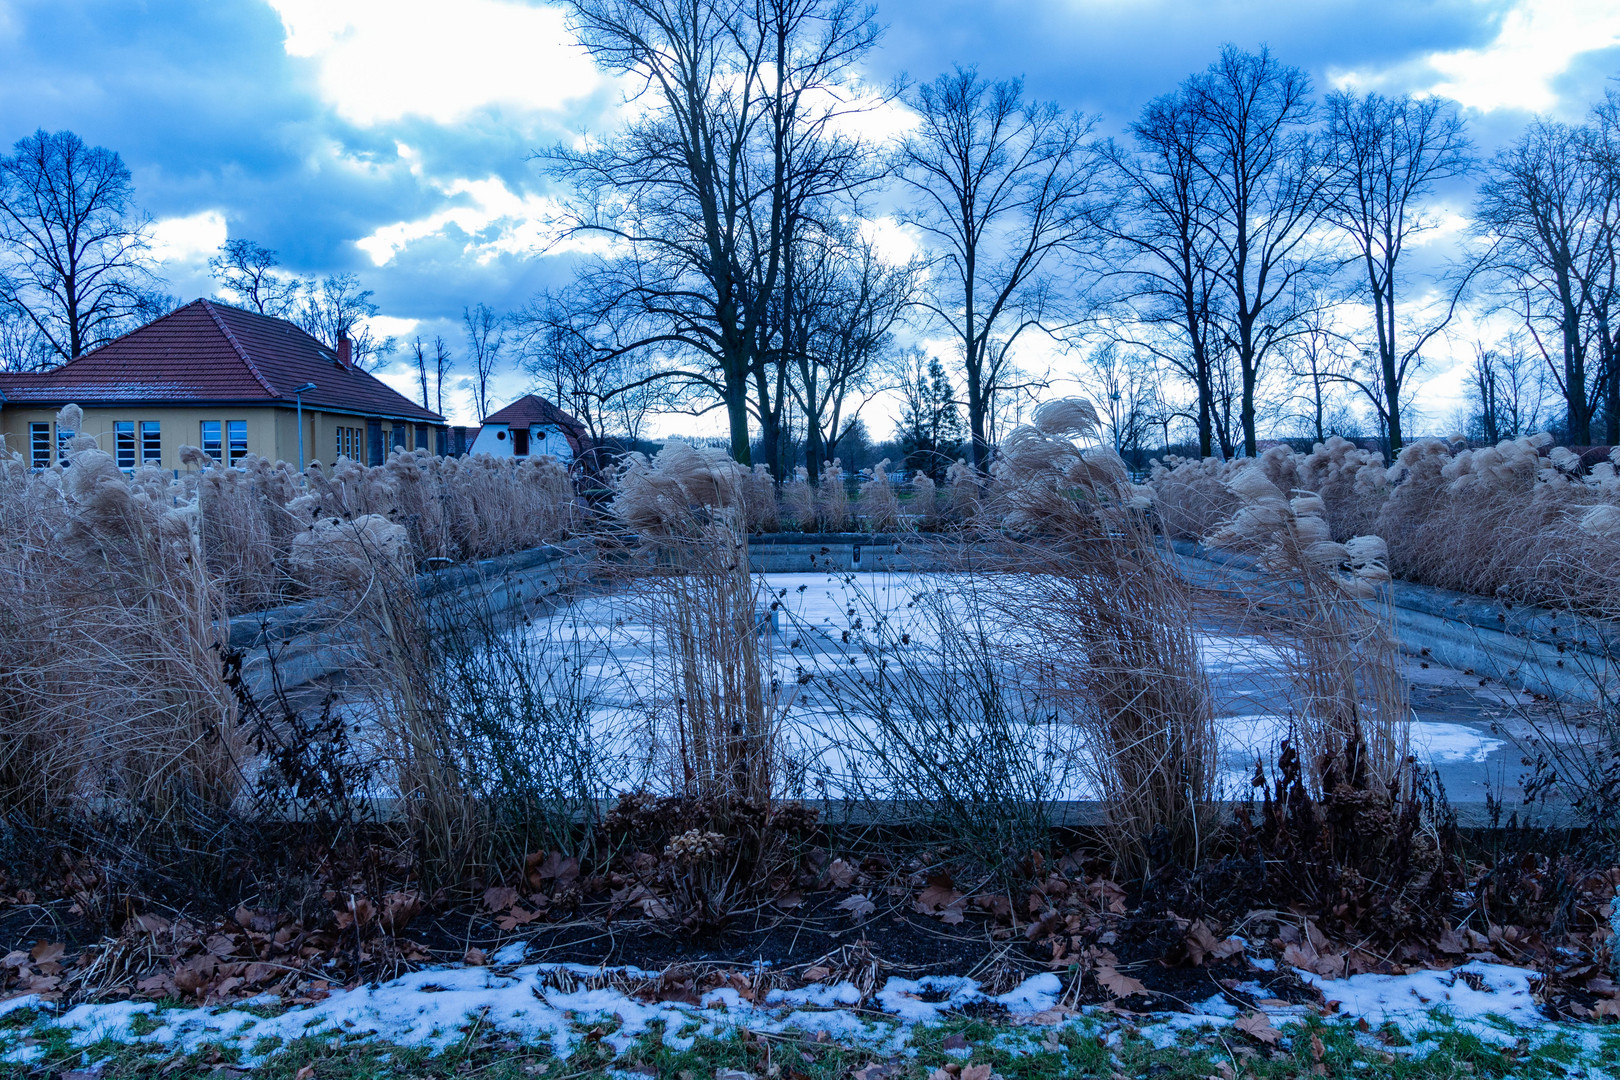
x,y
1554,654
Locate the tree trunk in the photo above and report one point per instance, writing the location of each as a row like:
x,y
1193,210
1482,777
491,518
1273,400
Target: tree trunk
x,y
737,417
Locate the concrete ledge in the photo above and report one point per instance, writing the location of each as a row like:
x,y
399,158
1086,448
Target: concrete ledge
x,y
299,643
1555,654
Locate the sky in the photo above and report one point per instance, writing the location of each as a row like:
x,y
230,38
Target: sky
x,y
395,139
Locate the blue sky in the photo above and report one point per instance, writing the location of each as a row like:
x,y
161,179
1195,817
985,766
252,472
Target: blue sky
x,y
392,138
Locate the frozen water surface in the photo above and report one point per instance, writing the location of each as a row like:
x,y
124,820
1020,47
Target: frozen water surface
x,y
826,623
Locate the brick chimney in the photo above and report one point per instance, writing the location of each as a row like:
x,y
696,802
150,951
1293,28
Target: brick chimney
x,y
346,352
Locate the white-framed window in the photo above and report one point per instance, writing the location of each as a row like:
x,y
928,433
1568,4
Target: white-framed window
x,y
151,442
124,443
237,431
64,445
39,445
212,440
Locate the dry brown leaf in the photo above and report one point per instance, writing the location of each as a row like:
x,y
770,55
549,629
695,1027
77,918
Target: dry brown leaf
x,y
500,897
1117,984
474,957
44,953
1055,1015
1318,1051
975,1072
937,896
1611,1007
1452,942
1203,945
816,973
1257,1025
858,906
840,875
551,866
399,908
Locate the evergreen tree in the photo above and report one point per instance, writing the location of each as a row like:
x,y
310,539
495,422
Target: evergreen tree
x,y
930,421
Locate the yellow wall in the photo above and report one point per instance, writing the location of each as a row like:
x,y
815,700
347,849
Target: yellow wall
x,y
271,432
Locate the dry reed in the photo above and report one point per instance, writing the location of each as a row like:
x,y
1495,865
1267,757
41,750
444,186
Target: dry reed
x,y
1322,603
1106,630
113,700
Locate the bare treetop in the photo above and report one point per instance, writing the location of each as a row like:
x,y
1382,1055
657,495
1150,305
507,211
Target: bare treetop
x,y
73,248
1009,194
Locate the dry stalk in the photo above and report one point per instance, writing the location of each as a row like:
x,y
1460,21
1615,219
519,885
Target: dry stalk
x,y
1323,605
1106,630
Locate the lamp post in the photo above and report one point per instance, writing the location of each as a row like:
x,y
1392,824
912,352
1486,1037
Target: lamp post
x,y
298,396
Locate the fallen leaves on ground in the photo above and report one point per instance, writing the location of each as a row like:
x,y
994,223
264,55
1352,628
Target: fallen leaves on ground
x,y
1117,983
1257,1025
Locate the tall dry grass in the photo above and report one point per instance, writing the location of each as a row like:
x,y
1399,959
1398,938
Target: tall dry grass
x,y
1501,521
114,706
449,510
879,505
1321,603
1106,629
723,708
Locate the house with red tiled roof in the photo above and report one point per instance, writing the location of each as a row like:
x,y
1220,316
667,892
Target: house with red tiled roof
x,y
230,381
529,427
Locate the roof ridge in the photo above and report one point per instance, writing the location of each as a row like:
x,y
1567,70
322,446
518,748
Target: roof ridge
x,y
237,345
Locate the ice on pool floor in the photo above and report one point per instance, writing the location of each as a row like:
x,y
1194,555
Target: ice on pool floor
x,y
829,623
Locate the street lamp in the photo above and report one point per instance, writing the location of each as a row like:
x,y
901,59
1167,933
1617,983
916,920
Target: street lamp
x,y
298,396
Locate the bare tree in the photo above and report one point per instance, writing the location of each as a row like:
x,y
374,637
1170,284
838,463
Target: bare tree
x,y
22,346
1389,154
848,302
443,365
693,193
1267,185
419,353
1544,209
1318,364
337,308
1506,389
246,273
486,337
1165,225
1126,393
73,247
1009,196
1601,152
609,391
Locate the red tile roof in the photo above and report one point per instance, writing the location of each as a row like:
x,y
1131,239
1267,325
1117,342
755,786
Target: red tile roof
x,y
208,352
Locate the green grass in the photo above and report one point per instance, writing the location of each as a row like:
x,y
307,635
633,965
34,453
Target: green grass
x,y
1084,1049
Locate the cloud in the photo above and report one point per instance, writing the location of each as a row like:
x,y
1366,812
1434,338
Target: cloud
x,y
192,239
490,218
382,60
1537,41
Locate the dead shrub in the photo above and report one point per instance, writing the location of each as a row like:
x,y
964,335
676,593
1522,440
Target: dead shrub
x,y
1370,868
117,729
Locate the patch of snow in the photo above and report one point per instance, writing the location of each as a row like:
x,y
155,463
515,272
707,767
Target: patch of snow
x,y
430,1008
1408,1000
509,955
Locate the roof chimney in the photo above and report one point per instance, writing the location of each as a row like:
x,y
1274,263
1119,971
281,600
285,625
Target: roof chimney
x,y
346,352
